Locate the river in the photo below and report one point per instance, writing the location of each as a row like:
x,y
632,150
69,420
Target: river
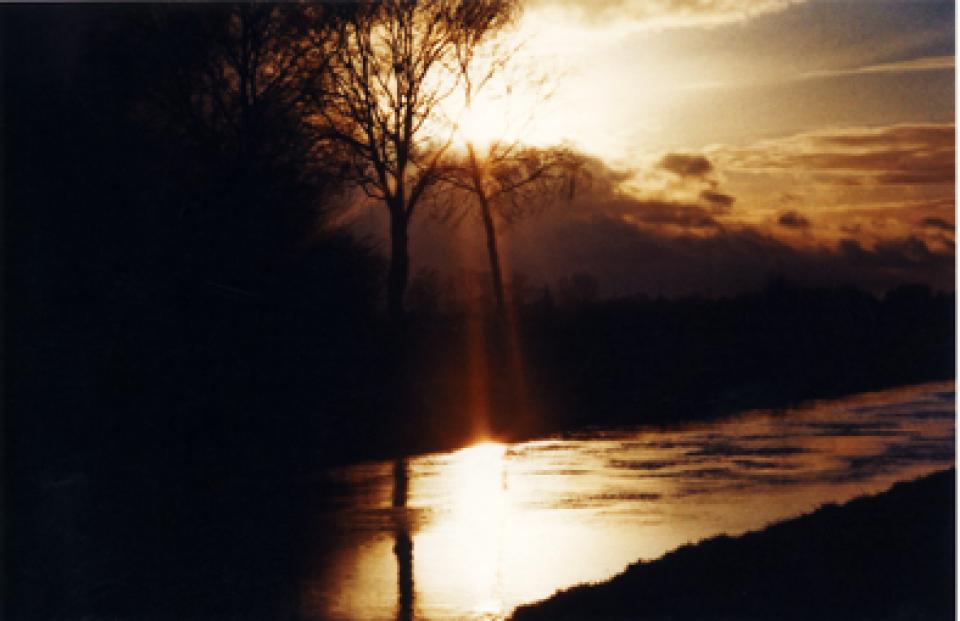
x,y
473,533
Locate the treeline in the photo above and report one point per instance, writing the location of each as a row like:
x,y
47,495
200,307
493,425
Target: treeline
x,y
150,209
658,360
567,359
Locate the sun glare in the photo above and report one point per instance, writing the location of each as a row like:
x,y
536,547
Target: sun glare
x,y
479,126
482,500
478,467
519,116
462,555
510,106
478,475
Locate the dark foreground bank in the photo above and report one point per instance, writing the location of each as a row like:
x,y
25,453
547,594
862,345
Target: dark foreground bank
x,y
890,556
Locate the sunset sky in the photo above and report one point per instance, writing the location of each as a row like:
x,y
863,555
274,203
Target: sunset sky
x,y
813,139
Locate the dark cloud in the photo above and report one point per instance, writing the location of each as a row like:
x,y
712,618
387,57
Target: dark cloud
x,y
678,246
686,165
660,212
719,200
941,174
889,165
793,220
923,136
891,155
909,253
628,259
937,223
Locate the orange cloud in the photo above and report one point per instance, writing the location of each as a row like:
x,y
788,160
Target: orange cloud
x,y
927,63
686,165
794,220
891,155
665,13
724,220
871,184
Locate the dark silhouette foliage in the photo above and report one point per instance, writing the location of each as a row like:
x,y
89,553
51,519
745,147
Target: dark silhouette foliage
x,y
695,357
175,318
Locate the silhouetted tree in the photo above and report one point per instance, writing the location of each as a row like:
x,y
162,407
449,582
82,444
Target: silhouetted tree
x,y
509,181
392,65
577,290
225,90
499,174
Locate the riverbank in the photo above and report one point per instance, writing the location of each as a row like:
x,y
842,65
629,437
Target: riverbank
x,y
146,457
889,556
553,369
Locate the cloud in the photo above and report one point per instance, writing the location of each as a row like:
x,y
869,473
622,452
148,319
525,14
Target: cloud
x,y
897,254
929,63
678,191
632,244
660,214
793,220
664,13
872,184
908,154
626,259
686,178
718,200
937,223
686,165
673,228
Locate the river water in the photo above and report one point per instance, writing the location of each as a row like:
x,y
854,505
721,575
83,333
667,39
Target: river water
x,y
472,534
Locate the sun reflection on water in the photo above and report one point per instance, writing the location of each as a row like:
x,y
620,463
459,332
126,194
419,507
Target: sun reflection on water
x,y
477,475
491,526
460,554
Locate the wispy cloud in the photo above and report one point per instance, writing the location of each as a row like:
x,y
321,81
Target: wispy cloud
x,y
898,68
874,185
661,14
906,154
929,63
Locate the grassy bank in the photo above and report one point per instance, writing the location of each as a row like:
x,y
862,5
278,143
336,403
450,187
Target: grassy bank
x,y
890,556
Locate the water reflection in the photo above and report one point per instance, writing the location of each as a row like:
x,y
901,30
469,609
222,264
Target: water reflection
x,y
403,543
465,541
473,533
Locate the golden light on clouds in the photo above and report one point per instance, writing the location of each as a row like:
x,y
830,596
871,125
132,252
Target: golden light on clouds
x,y
865,183
823,133
657,14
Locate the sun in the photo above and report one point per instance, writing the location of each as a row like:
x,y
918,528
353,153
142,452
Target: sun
x,y
505,114
491,118
478,126
516,119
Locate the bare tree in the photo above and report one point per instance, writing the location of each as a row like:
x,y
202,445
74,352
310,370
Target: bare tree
x,y
509,185
503,178
228,92
233,77
392,65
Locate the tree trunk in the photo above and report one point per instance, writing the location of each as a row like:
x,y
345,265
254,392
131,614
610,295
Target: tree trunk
x,y
399,264
403,542
488,227
492,253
